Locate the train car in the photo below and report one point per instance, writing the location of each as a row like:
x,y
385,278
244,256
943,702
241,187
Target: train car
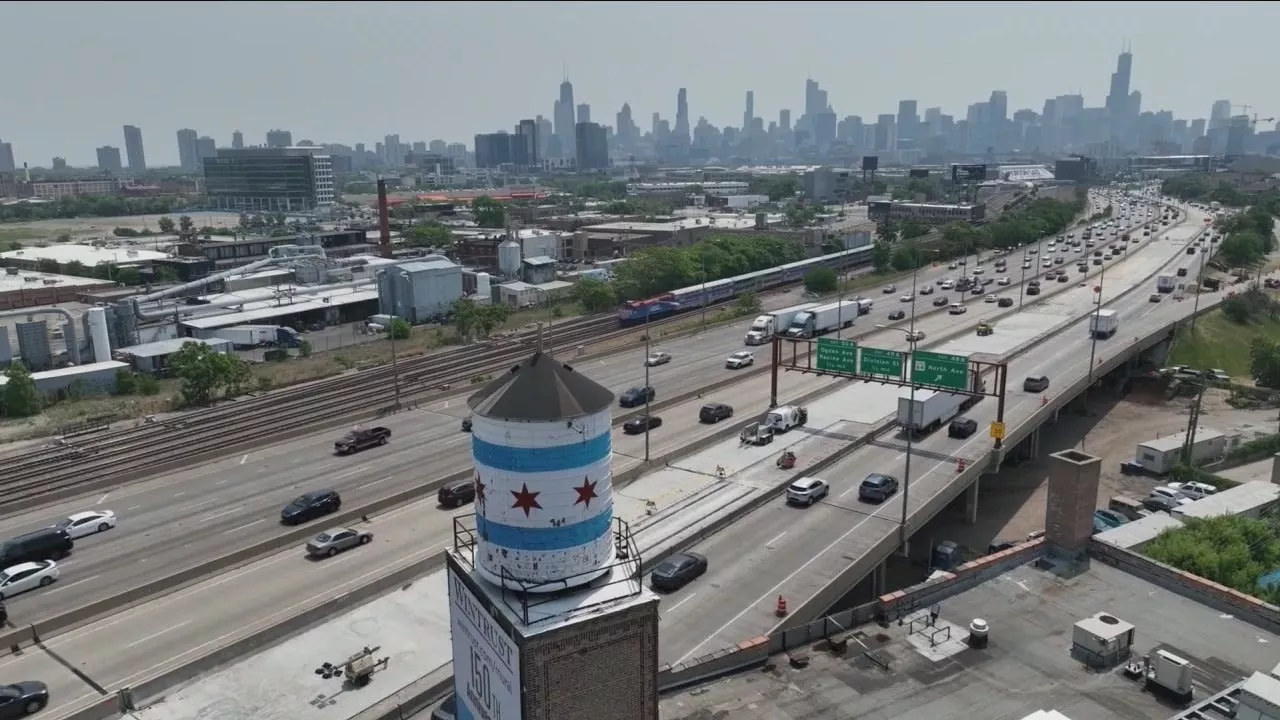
x,y
718,291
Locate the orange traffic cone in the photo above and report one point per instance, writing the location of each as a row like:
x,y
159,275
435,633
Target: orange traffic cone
x,y
781,610
960,465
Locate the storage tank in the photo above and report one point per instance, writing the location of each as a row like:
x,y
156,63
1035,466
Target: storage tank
x,y
6,350
542,443
484,287
509,258
99,335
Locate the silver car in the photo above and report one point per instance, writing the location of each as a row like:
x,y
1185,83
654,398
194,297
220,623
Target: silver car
x,y
333,541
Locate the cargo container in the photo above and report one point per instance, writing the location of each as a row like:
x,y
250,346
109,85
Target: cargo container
x,y
765,326
1104,323
822,320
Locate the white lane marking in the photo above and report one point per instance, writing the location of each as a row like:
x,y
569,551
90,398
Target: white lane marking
x,y
775,539
238,528
243,458
103,498
349,473
64,586
155,635
852,489
371,483
686,599
132,507
217,515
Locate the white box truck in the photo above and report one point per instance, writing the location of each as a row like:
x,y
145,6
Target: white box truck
x,y
1104,323
931,410
764,327
1166,283
823,319
865,305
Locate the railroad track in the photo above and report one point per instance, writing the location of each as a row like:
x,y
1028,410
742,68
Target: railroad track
x,y
131,454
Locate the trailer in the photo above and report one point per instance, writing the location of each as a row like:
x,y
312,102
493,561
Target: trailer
x,y
252,336
930,409
764,327
1104,323
1166,283
864,305
822,320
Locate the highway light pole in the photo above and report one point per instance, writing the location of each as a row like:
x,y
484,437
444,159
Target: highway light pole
x,y
903,534
1195,309
647,419
705,301
1093,345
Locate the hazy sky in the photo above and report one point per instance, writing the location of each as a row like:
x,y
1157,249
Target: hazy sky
x,y
74,73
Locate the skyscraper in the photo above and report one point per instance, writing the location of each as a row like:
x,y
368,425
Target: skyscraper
x,y
749,114
564,119
584,112
237,140
133,148
109,158
524,146
279,138
1118,97
7,163
680,133
592,146
188,153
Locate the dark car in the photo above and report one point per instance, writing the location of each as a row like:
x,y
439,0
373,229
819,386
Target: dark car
x,y
677,571
1155,503
1062,278
714,412
1038,383
976,291
636,396
877,488
1182,272
637,425
361,439
941,301
962,427
311,506
22,699
897,315
1033,290
43,544
1004,302
456,493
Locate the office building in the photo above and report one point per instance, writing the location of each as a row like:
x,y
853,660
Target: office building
x,y
524,145
7,163
188,152
279,139
564,119
109,159
592,146
493,149
237,140
133,148
293,179
584,112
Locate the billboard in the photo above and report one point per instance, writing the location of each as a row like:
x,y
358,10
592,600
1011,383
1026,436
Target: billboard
x,y
870,163
919,173
486,661
968,173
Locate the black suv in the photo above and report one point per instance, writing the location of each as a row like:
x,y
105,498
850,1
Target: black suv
x,y
714,412
1035,384
456,493
962,427
43,544
310,506
636,396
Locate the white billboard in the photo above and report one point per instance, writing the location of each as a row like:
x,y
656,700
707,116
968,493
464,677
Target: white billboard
x,y
486,662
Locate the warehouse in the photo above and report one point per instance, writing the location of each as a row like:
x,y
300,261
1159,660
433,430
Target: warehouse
x,y
88,379
1160,455
153,358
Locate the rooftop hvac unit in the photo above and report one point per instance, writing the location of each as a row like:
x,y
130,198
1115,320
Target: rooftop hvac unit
x,y
1102,640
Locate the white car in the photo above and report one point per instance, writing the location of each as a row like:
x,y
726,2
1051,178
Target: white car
x,y
990,298
956,309
1170,493
739,360
915,336
657,358
947,285
907,298
1193,490
1004,280
81,524
27,576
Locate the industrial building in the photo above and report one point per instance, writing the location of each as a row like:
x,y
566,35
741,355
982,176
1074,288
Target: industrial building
x,y
1160,455
481,248
829,185
616,239
152,358
87,255
20,288
98,378
882,208
421,291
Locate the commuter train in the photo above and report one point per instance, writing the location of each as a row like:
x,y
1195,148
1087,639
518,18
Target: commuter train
x,y
655,308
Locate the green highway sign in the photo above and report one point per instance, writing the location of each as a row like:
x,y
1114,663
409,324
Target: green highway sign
x,y
837,356
948,371
873,361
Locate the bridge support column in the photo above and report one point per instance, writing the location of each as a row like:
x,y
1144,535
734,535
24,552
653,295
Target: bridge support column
x,y
971,502
880,579
1033,444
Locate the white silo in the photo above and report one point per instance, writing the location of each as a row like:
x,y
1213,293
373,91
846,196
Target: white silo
x,y
541,440
99,335
484,288
509,258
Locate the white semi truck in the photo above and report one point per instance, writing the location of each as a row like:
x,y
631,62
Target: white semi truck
x,y
823,319
1104,323
930,409
1166,283
764,327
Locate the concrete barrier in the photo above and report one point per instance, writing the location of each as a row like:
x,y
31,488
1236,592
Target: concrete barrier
x,y
1243,607
899,603
751,653
413,698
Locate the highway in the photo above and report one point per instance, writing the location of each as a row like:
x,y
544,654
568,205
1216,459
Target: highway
x,y
805,549
184,519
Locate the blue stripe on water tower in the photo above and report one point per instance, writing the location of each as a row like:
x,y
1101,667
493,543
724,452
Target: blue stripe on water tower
x,y
544,539
535,460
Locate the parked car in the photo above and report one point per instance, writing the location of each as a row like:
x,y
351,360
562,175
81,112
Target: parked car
x,y
1169,493
85,523
309,506
877,488
714,412
807,491
677,571
1110,518
335,540
638,425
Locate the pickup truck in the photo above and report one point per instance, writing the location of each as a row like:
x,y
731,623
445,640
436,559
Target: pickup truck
x,y
361,438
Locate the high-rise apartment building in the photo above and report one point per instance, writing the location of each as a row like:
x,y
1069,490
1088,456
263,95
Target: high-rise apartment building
x,y
206,148
908,122
109,159
392,150
784,119
291,179
133,148
592,146
188,152
279,139
749,112
7,163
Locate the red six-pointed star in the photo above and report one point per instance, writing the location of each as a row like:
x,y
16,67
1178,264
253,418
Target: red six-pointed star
x,y
586,492
526,500
479,490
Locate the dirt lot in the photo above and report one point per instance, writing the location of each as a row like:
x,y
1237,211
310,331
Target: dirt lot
x,y
1012,503
87,228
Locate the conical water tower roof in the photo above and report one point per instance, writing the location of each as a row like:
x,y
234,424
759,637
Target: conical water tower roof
x,y
540,389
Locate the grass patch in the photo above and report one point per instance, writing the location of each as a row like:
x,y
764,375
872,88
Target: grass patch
x,y
1218,342
24,235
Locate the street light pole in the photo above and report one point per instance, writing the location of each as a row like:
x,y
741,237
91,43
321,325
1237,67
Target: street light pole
x,y
1093,345
705,301
647,418
903,533
391,335
1195,310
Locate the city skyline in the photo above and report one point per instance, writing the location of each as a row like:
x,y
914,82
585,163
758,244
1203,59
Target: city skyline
x,y
950,71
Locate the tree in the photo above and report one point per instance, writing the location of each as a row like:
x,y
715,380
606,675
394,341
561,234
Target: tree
x,y
399,329
1230,550
166,225
464,318
653,271
431,235
748,304
186,229
488,212
593,295
1241,249
906,256
470,318
887,232
1264,361
489,317
204,371
20,398
881,257
821,281
913,229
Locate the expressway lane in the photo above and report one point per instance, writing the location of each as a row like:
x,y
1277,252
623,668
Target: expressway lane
x,y
805,549
178,521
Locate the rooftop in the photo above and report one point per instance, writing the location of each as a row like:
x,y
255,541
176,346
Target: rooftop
x,y
1169,443
1027,667
86,255
540,389
164,348
30,280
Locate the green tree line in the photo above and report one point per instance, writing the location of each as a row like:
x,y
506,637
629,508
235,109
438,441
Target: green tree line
x,y
1230,550
91,206
653,271
1249,237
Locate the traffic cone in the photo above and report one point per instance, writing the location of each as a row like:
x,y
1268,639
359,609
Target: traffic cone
x,y
960,465
781,610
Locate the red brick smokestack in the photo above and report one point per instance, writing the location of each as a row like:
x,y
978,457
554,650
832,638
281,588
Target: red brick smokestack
x,y
384,222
